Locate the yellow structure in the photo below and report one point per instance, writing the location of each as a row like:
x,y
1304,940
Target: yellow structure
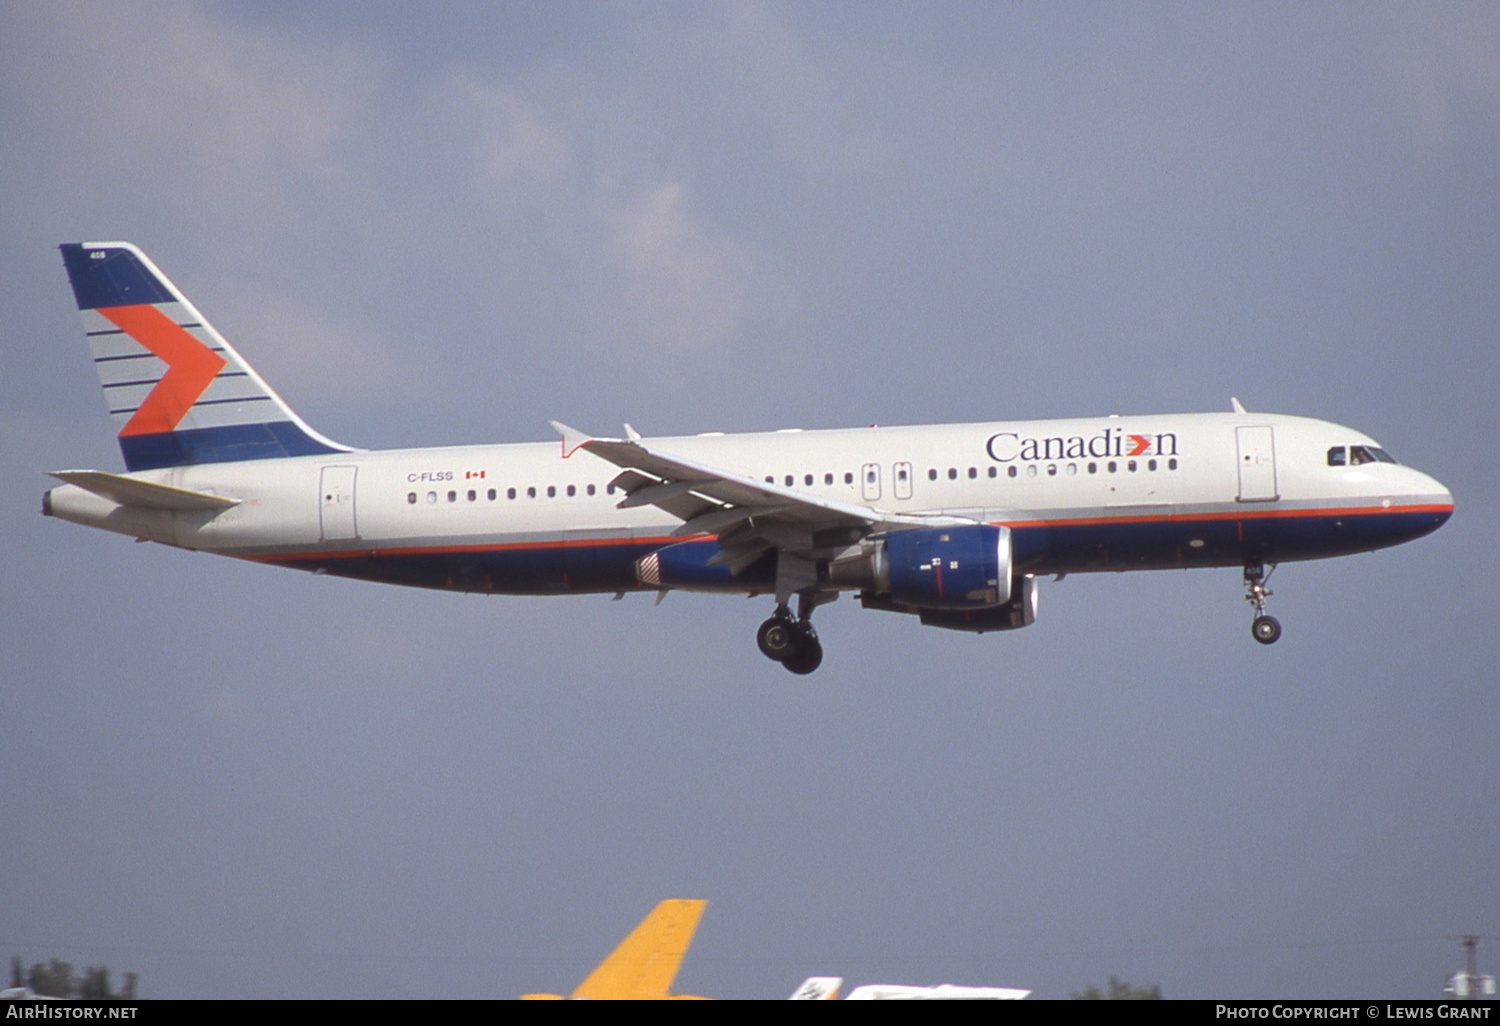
x,y
643,965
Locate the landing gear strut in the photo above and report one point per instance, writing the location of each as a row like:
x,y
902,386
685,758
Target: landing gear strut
x,y
792,642
1264,628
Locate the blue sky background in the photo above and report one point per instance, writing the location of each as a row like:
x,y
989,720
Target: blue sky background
x,y
445,225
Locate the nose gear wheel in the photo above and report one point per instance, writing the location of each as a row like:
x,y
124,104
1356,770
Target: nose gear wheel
x,y
1265,628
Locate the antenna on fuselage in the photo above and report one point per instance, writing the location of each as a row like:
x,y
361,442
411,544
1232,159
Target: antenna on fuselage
x,y
1235,404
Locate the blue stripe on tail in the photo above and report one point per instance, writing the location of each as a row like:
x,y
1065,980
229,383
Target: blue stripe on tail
x,y
227,444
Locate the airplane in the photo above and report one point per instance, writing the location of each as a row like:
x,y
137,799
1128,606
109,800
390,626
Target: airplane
x,y
951,523
643,965
826,988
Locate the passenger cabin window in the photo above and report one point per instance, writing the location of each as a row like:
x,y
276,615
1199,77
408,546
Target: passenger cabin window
x,y
849,477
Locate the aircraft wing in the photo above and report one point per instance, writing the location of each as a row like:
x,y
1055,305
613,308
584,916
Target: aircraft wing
x,y
747,516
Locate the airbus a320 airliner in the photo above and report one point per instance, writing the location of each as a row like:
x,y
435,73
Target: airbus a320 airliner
x,y
950,523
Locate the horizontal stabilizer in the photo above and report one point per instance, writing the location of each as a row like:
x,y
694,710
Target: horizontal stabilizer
x,y
130,491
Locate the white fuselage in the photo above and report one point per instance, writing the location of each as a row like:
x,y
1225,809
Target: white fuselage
x,y
1103,493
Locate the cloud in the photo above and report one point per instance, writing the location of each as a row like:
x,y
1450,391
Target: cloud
x,y
684,284
514,144
236,119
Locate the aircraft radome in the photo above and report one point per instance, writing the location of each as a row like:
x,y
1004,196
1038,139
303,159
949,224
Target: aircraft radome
x,y
951,523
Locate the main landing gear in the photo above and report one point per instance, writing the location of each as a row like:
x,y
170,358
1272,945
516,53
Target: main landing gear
x,y
792,642
1264,628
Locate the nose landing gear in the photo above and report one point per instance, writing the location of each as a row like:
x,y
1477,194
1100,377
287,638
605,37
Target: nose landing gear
x,y
792,642
1265,628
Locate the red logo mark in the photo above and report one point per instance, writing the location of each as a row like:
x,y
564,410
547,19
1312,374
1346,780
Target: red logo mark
x,y
1142,443
191,367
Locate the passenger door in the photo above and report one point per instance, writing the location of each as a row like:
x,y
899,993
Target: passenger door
x,y
1257,464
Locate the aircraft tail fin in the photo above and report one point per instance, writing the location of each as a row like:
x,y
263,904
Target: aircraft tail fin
x,y
177,391
644,964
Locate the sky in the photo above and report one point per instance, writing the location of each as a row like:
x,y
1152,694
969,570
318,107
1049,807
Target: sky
x,y
431,226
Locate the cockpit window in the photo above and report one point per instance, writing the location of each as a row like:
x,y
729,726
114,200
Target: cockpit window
x,y
1368,454
1337,456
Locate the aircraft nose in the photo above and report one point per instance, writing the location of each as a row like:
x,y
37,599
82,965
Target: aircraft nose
x,y
1436,500
1441,495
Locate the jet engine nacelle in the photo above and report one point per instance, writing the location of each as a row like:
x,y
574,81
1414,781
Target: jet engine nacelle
x,y
948,568
1020,611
